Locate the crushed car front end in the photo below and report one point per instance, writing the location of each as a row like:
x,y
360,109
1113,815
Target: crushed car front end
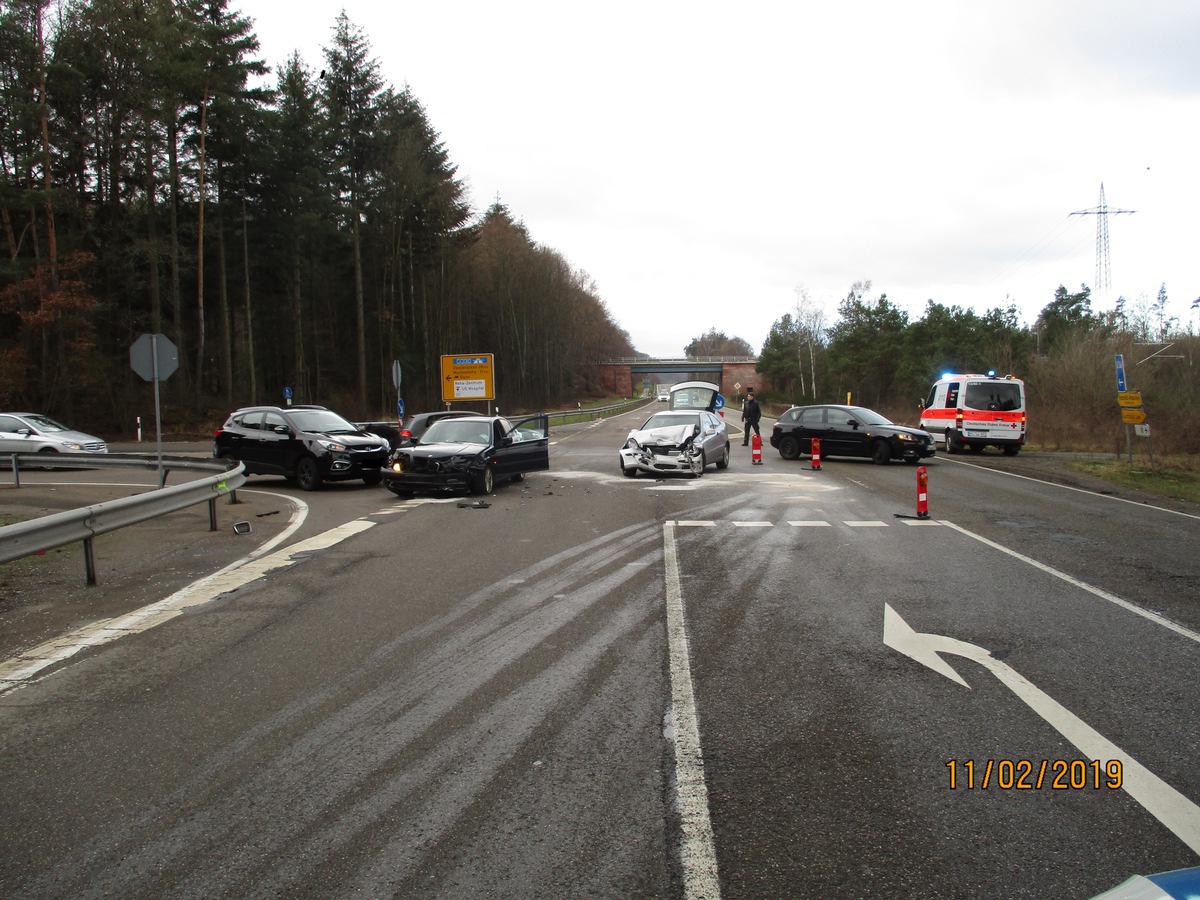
x,y
663,451
434,469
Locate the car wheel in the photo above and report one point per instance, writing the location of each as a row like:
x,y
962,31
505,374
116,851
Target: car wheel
x,y
372,476
628,471
1011,449
789,447
723,462
484,482
951,445
308,474
881,453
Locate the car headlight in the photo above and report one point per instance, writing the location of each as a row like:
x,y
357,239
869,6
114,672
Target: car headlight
x,y
335,446
73,446
397,466
901,436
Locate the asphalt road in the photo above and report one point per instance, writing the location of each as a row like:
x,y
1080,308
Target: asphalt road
x,y
609,687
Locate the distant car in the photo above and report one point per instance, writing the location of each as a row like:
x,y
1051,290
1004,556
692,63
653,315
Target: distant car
x,y
470,453
683,440
34,433
415,426
664,393
306,444
848,431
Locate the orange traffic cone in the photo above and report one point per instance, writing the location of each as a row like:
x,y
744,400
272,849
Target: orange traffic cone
x,y
816,453
756,450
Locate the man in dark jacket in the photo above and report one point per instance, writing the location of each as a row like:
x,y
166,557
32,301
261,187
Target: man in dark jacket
x,y
751,413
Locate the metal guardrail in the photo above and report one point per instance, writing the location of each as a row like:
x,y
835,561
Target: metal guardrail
x,y
84,524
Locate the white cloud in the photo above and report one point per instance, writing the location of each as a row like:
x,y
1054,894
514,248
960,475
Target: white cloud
x,y
700,161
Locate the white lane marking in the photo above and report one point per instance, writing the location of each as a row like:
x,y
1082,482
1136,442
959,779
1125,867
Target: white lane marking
x,y
737,524
1067,487
697,523
1102,594
19,670
698,854
919,522
1169,806
865,523
809,523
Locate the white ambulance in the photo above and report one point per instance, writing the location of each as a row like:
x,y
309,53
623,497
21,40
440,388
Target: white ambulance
x,y
973,411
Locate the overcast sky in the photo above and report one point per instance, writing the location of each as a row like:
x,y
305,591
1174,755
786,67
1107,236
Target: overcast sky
x,y
703,161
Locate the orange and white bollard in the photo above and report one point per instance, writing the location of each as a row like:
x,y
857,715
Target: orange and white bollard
x,y
922,493
756,450
816,453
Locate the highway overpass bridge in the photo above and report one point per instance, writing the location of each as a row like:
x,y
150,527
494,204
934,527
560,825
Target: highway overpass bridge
x,y
637,375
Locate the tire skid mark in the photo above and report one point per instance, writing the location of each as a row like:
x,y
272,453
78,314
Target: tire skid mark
x,y
338,761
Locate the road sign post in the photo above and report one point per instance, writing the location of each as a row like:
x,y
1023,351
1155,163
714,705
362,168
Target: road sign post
x,y
468,377
155,358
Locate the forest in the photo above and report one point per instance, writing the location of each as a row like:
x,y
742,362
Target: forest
x,y
306,227
873,353
300,228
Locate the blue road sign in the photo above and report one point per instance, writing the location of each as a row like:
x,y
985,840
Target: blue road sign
x,y
1121,372
400,409
720,404
287,392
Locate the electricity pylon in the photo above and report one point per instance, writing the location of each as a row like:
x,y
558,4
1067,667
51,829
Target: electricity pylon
x,y
1102,212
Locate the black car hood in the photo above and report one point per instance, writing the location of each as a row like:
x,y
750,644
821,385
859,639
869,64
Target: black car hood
x,y
898,429
434,451
350,438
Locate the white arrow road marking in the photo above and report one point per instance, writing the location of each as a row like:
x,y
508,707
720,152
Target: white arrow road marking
x,y
1162,801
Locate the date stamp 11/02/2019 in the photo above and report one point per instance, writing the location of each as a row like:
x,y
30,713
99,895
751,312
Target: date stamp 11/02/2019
x,y
1029,774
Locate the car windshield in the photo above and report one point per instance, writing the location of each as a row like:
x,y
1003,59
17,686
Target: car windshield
x,y
666,420
867,416
458,431
45,423
321,421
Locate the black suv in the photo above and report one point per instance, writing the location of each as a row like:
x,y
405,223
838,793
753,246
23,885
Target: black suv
x,y
305,444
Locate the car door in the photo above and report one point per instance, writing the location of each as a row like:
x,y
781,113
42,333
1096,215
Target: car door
x,y
11,440
277,447
847,434
239,437
713,438
810,423
524,447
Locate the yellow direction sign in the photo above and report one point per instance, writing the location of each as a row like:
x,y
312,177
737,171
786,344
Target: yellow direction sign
x,y
1133,416
468,377
1129,399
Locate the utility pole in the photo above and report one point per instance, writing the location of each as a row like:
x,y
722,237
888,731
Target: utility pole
x,y
1102,212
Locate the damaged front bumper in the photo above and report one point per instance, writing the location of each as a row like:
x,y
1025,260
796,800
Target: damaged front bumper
x,y
662,452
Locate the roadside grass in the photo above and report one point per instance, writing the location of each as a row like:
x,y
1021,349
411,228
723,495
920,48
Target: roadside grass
x,y
1177,477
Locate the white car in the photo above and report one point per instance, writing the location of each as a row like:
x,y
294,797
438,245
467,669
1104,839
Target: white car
x,y
680,441
34,433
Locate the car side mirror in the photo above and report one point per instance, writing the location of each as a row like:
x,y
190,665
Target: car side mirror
x,y
506,441
853,423
282,429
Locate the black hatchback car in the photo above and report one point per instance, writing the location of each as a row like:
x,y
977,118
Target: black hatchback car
x,y
305,444
470,453
848,431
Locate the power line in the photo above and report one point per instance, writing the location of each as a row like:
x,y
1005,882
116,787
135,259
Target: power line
x,y
1102,212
